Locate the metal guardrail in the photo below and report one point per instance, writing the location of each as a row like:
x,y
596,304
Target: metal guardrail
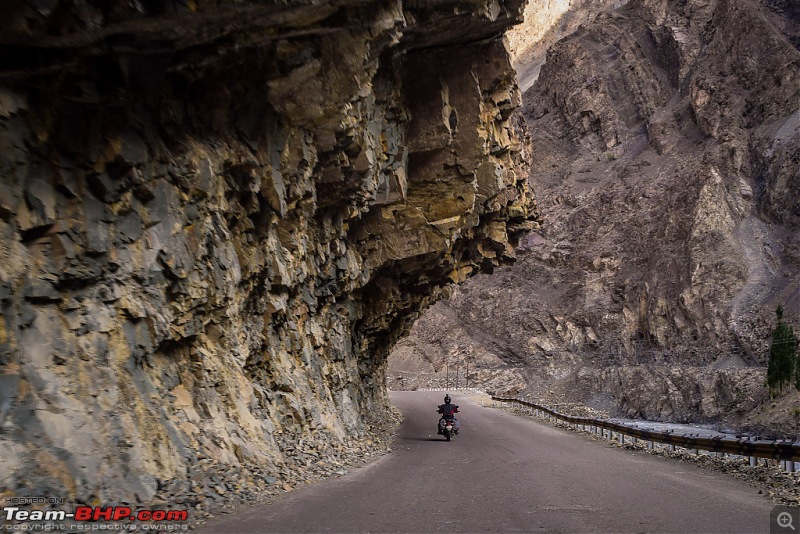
x,y
787,453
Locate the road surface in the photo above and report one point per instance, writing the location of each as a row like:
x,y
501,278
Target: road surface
x,y
508,473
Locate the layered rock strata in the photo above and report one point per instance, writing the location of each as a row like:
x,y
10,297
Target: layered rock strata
x,y
217,217
666,144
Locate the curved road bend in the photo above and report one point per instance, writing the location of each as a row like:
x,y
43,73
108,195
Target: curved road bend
x,y
506,473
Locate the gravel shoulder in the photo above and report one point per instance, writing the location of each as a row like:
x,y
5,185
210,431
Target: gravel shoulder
x,y
310,464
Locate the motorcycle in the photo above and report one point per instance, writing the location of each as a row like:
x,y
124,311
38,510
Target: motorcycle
x,y
448,427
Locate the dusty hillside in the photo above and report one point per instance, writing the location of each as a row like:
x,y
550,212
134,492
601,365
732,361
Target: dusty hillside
x,y
666,139
545,23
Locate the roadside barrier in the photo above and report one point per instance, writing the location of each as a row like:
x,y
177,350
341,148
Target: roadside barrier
x,y
786,452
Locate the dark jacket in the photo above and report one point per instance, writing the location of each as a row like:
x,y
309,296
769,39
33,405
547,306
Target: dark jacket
x,y
447,410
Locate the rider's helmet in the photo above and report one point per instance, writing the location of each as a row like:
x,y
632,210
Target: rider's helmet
x,y
446,399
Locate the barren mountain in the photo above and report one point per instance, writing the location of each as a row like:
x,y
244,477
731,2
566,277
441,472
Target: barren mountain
x,y
546,22
666,157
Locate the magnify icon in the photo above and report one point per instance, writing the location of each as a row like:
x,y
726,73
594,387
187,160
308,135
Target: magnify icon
x,y
785,520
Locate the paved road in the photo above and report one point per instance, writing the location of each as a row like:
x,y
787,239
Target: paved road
x,y
507,473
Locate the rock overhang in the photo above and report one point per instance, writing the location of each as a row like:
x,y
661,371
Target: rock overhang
x,y
217,217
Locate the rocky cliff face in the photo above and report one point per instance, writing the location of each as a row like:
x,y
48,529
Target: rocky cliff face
x,y
217,217
666,144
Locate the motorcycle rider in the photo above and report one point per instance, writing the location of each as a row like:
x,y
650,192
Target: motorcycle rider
x,y
447,410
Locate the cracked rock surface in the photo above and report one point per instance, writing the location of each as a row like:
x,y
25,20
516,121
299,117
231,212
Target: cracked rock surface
x,y
217,217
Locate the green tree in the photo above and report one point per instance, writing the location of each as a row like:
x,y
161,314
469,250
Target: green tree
x,y
783,366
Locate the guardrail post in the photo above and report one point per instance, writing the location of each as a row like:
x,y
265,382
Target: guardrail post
x,y
622,439
650,445
671,447
753,461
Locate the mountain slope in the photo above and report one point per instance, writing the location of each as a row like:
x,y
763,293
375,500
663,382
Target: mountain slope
x,y
666,143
